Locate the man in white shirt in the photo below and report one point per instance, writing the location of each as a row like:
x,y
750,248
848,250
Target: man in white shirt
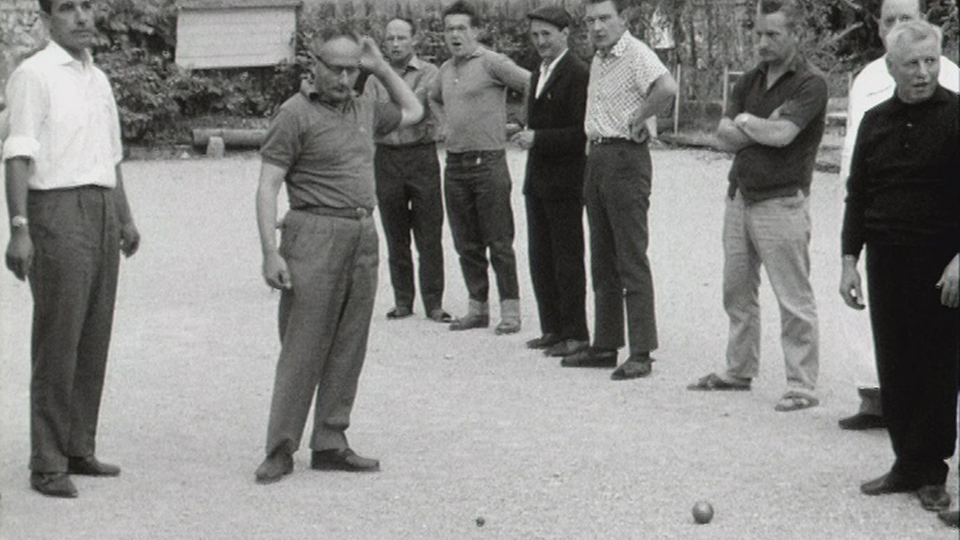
x,y
872,86
69,221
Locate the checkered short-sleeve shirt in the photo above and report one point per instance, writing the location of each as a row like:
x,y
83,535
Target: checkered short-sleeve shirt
x,y
619,82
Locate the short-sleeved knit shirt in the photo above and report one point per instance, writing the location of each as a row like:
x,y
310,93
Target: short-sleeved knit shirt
x,y
764,172
619,82
328,152
473,93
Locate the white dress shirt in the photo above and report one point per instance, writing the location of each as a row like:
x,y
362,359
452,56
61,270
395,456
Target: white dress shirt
x,y
546,70
871,87
63,116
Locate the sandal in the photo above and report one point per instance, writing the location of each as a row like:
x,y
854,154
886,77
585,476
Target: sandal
x,y
795,401
714,382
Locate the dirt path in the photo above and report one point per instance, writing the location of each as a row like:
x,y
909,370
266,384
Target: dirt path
x,y
467,425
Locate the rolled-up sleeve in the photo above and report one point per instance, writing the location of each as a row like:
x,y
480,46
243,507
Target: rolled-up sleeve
x,y
29,104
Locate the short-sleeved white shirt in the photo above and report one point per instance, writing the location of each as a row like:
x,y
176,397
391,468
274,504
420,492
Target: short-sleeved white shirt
x,y
871,87
619,82
63,116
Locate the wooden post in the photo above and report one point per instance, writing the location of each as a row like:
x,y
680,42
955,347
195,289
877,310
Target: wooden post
x,y
677,98
726,82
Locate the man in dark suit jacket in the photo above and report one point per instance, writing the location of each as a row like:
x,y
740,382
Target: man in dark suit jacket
x,y
556,105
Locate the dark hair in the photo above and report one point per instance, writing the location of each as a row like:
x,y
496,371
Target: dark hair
x,y
46,6
410,23
618,5
461,7
334,31
789,8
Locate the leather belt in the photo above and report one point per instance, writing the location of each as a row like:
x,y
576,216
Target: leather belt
x,y
359,212
597,141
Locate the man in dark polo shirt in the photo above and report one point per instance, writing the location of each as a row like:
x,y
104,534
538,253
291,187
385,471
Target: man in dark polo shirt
x,y
903,202
774,125
556,105
408,183
472,88
320,145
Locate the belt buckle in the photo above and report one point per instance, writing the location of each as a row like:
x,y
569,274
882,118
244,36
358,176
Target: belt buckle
x,y
362,212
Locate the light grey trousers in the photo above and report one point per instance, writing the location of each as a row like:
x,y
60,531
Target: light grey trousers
x,y
776,234
324,322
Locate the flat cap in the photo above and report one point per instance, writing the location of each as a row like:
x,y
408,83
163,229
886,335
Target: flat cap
x,y
554,15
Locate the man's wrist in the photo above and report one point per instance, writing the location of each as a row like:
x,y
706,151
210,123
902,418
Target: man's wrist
x,y
850,259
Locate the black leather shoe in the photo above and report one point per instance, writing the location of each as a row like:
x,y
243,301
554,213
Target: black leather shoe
x,y
934,497
591,357
950,518
440,315
887,483
91,466
53,485
399,312
274,468
633,368
342,460
544,341
566,348
862,421
470,322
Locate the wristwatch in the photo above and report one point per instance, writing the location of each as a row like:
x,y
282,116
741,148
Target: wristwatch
x,y
17,222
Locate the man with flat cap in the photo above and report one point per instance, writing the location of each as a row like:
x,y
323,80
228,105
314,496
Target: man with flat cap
x,y
556,105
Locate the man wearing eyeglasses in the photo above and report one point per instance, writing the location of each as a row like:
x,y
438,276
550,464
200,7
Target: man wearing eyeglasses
x,y
872,86
320,145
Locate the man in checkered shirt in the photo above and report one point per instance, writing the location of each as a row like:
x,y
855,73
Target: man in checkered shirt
x,y
628,85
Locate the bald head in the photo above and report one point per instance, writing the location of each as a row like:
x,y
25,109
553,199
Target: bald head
x,y
896,11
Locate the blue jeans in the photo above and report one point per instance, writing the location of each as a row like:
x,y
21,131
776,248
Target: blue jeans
x,y
775,233
477,192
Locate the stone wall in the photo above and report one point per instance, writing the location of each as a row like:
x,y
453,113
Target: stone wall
x,y
21,33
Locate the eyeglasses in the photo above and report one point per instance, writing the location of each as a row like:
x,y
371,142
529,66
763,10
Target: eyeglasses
x,y
339,70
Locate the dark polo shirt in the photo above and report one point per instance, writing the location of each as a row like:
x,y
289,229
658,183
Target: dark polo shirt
x,y
904,184
764,172
328,151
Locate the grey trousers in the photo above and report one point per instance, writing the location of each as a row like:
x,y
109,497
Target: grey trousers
x,y
616,193
775,233
73,280
324,322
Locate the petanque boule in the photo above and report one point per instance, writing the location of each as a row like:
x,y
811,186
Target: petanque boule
x,y
480,521
702,512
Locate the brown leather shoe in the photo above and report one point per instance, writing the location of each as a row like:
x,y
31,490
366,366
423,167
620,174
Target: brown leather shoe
x,y
934,497
591,357
885,484
544,341
91,466
274,467
566,348
633,368
53,485
862,421
342,460
470,322
950,518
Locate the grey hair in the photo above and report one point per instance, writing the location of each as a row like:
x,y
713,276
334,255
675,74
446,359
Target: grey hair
x,y
910,32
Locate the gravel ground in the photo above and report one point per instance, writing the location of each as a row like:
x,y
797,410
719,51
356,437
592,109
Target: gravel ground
x,y
468,426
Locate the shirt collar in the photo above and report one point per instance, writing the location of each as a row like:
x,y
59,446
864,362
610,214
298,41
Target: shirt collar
x,y
414,64
547,68
618,48
60,56
796,64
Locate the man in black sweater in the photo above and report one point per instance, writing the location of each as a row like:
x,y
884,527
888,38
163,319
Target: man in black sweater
x,y
902,203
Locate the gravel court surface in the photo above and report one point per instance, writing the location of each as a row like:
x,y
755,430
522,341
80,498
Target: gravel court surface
x,y
467,425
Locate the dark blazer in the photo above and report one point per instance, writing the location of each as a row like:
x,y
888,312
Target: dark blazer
x,y
555,163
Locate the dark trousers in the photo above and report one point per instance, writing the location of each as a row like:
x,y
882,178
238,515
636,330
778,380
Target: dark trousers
x,y
409,198
477,191
76,239
617,196
324,324
917,344
555,231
